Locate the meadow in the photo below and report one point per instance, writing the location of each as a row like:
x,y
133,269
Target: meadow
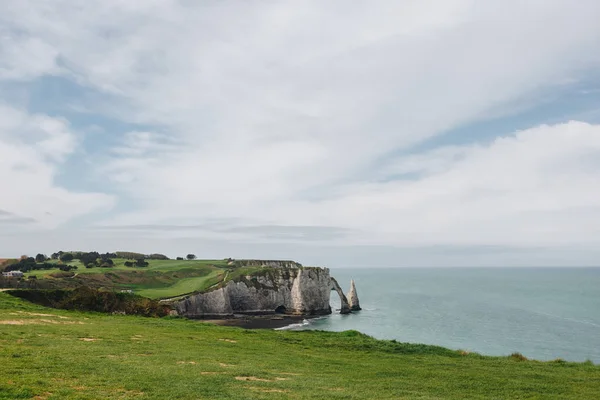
x,y
160,279
55,354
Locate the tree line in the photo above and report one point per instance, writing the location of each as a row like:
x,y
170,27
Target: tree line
x,y
89,259
26,264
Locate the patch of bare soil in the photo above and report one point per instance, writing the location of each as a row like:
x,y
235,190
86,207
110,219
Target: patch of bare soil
x,y
256,379
264,390
39,315
226,365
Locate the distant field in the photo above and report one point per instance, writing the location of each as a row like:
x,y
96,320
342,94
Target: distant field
x,y
55,354
161,279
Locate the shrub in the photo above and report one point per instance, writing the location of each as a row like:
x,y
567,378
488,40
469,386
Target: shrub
x,y
88,299
63,274
518,357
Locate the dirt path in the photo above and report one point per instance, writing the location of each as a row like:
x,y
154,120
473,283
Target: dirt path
x,y
223,280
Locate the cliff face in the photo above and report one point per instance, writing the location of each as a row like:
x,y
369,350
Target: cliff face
x,y
301,291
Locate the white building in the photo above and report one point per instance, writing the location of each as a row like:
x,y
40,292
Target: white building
x,y
12,274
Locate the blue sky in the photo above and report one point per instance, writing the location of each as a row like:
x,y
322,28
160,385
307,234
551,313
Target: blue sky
x,y
416,133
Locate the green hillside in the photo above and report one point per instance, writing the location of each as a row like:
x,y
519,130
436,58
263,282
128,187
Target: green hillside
x,y
55,354
160,279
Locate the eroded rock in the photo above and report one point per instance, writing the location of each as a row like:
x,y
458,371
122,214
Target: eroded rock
x,y
353,297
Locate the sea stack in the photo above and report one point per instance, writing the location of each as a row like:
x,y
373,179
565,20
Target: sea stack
x,y
353,297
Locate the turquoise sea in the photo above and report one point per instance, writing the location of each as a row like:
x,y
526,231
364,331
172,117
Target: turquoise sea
x,y
543,313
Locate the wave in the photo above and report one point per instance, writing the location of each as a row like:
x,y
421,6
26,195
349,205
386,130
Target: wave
x,y
302,324
299,325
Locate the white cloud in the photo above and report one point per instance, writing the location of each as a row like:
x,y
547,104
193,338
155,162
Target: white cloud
x,y
537,187
277,113
31,148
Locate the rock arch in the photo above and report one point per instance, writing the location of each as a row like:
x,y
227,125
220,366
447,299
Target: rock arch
x,y
345,307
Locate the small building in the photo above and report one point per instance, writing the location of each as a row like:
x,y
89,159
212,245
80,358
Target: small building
x,y
12,274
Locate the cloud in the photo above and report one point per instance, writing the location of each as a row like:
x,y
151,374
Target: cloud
x,y
533,187
302,121
240,232
12,219
31,149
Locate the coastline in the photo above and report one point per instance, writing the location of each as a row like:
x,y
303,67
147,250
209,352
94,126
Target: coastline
x,y
259,322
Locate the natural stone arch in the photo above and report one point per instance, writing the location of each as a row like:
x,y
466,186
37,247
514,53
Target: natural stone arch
x,y
344,306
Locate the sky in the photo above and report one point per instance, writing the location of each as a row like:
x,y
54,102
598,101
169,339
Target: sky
x,y
345,134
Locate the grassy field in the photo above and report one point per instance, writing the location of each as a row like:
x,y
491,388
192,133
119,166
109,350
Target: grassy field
x,y
183,286
54,354
155,265
161,279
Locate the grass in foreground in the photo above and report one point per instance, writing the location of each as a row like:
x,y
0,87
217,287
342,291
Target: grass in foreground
x,y
54,354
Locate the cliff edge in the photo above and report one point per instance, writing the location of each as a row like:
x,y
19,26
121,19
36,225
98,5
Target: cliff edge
x,y
267,290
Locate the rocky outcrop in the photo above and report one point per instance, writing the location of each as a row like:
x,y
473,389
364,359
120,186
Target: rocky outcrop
x,y
300,291
296,291
353,297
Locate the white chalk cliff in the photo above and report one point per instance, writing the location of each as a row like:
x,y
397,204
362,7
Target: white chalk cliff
x,y
299,291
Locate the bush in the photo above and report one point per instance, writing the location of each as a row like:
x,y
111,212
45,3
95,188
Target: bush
x,y
88,299
141,263
518,357
63,274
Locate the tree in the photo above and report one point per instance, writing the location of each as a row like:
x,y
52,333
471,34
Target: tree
x,y
179,258
40,258
66,257
141,263
191,256
89,258
128,264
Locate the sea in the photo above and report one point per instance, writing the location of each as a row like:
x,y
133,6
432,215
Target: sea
x,y
542,313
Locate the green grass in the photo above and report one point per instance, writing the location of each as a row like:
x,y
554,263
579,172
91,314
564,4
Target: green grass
x,y
184,286
95,356
155,265
161,279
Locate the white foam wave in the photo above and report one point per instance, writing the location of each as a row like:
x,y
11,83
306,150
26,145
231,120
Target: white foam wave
x,y
302,324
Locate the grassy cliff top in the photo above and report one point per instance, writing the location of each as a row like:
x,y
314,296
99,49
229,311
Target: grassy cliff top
x,y
159,280
56,354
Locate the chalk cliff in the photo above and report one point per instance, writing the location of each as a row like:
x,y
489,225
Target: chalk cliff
x,y
299,291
